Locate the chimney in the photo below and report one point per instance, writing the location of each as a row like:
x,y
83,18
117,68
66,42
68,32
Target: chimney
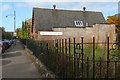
x,y
84,8
54,6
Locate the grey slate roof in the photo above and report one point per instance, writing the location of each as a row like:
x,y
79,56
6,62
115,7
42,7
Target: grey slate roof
x,y
46,19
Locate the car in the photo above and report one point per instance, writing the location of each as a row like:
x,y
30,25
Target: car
x,y
12,41
7,41
5,46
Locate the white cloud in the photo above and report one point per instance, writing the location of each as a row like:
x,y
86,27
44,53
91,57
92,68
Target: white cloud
x,y
91,6
20,5
35,4
30,4
5,7
96,6
106,8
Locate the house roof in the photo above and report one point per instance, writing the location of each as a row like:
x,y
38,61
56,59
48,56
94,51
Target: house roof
x,y
46,19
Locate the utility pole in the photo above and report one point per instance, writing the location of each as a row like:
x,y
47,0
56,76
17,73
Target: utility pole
x,y
14,23
14,15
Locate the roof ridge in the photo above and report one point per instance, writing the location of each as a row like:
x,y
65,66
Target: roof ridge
x,y
65,10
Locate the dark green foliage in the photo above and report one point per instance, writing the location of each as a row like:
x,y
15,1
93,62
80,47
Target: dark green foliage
x,y
25,32
6,35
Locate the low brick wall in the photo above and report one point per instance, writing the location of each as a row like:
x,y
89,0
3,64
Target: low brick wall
x,y
99,31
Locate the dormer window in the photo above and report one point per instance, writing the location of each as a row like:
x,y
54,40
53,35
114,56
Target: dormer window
x,y
78,23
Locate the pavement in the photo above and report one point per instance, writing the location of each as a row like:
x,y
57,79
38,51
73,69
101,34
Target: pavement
x,y
16,63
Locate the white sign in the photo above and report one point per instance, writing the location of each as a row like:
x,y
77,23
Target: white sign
x,y
50,33
14,34
78,23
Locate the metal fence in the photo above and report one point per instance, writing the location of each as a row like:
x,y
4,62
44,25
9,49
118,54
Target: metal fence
x,y
70,59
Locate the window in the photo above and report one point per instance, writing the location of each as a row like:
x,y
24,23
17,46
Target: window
x,y
78,23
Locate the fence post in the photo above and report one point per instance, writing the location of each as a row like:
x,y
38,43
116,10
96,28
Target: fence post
x,y
100,68
69,56
107,58
60,44
47,52
69,49
93,58
87,67
56,66
54,41
65,58
74,56
78,71
115,70
82,56
47,46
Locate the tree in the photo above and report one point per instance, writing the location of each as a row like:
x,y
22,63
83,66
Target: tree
x,y
6,35
3,33
114,20
19,32
24,33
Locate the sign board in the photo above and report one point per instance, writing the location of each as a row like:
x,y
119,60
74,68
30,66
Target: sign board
x,y
50,33
14,34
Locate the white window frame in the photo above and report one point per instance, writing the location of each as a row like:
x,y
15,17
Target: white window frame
x,y
78,23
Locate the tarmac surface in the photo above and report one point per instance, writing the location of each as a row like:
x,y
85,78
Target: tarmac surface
x,y
16,63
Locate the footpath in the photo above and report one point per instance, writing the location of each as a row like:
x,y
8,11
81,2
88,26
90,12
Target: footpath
x,y
17,64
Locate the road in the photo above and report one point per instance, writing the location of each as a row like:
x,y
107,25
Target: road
x,y
16,63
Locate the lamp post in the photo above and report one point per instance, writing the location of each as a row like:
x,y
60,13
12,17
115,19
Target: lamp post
x,y
14,15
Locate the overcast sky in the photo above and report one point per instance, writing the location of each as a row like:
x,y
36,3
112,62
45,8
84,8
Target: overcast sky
x,y
24,10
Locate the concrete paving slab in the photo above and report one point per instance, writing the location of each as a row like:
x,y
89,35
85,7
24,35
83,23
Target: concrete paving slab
x,y
16,64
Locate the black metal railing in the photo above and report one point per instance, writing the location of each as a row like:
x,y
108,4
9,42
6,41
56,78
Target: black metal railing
x,y
82,60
